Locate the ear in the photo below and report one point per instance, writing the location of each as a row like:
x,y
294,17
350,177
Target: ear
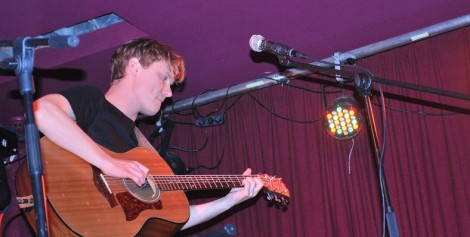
x,y
133,66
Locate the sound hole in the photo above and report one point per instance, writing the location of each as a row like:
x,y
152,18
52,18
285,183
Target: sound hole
x,y
148,193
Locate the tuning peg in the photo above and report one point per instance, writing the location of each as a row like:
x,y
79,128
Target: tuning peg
x,y
269,197
284,201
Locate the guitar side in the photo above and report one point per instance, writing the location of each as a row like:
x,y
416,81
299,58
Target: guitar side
x,y
76,206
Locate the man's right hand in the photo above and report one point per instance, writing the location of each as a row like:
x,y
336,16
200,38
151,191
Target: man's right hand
x,y
132,170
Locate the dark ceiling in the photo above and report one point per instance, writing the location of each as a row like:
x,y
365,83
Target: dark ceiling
x,y
212,35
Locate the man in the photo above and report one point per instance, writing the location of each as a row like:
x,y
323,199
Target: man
x,y
79,118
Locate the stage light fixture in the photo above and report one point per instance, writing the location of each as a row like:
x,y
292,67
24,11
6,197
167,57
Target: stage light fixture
x,y
342,119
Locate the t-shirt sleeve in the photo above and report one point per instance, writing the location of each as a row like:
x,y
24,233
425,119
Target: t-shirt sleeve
x,y
85,102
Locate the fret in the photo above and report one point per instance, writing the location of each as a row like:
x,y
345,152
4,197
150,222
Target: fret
x,y
186,185
220,182
179,182
226,183
207,181
198,182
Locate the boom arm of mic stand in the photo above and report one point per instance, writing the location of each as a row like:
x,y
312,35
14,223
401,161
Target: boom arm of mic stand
x,y
351,75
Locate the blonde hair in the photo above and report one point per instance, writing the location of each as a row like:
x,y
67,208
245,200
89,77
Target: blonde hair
x,y
147,51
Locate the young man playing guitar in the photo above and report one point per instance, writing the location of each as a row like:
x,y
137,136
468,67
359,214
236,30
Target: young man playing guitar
x,y
82,120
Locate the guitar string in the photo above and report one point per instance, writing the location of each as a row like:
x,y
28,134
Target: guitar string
x,y
191,180
187,179
178,182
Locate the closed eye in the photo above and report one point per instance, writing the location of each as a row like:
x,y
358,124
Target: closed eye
x,y
169,80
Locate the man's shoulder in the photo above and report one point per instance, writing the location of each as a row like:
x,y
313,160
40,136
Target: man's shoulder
x,y
82,88
82,91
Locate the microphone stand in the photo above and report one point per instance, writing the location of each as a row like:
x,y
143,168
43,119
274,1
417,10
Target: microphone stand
x,y
363,83
22,63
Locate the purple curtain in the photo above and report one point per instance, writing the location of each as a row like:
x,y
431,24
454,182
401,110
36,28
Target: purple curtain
x,y
334,184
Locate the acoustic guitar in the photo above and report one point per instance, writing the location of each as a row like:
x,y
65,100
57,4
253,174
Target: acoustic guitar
x,y
84,202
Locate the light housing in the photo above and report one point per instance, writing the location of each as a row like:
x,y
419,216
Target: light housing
x,y
342,119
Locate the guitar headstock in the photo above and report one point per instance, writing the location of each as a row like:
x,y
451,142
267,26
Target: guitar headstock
x,y
275,189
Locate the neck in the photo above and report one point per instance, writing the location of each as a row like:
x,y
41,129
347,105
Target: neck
x,y
115,95
197,182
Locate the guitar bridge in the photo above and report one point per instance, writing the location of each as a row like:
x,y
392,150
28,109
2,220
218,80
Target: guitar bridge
x,y
103,187
104,183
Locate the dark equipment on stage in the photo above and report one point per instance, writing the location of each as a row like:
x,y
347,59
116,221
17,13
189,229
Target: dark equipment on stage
x,y
5,193
8,147
9,143
224,231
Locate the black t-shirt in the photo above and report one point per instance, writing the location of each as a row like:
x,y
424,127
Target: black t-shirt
x,y
101,120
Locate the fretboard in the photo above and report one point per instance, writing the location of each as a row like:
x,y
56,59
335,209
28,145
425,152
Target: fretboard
x,y
197,182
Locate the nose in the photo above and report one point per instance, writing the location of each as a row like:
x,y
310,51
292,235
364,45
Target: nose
x,y
167,91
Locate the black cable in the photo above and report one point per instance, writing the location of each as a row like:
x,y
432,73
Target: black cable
x,y
382,153
221,157
206,140
309,90
231,105
225,100
279,116
11,219
420,112
223,103
384,123
194,108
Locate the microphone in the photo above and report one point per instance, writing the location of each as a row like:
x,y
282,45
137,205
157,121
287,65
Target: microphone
x,y
258,43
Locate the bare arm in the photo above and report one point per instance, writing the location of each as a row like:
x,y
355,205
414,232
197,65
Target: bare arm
x,y
55,119
204,212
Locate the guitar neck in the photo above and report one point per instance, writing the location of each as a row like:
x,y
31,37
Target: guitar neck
x,y
197,182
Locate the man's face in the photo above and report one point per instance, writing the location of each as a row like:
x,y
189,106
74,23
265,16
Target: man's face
x,y
153,86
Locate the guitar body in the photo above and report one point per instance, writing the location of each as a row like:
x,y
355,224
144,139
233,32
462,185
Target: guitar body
x,y
78,206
